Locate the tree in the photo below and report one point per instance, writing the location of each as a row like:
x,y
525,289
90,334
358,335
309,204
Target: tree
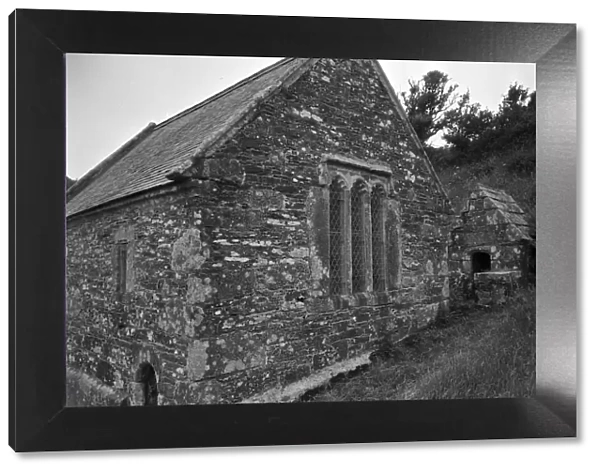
x,y
427,101
474,133
467,124
515,120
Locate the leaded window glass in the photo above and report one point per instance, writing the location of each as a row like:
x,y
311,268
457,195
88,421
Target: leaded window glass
x,y
377,239
358,231
336,237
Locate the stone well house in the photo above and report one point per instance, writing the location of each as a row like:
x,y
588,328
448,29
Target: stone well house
x,y
256,244
492,247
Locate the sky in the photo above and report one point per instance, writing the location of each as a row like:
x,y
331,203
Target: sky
x,y
110,98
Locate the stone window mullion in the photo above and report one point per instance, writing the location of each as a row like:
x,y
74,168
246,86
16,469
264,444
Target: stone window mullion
x,y
358,226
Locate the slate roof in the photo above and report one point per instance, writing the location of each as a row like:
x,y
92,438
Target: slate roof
x,y
500,208
161,153
145,161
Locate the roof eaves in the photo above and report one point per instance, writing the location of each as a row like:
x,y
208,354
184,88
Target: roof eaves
x,y
244,112
130,198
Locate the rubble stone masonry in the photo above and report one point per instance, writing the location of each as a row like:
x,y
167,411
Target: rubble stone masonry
x,y
227,285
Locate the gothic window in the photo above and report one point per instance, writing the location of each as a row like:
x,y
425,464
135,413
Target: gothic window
x,y
377,238
357,235
358,232
336,236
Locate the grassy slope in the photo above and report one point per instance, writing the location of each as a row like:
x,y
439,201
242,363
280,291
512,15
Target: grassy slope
x,y
472,353
500,171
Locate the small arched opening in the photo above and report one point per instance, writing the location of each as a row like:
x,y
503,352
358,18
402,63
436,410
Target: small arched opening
x,y
481,262
145,376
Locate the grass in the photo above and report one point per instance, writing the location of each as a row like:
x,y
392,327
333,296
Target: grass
x,y
473,352
499,172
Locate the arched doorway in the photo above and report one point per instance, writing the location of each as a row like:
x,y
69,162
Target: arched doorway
x,y
145,376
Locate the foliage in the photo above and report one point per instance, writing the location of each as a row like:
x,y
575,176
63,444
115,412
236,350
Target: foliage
x,y
495,148
427,102
467,124
475,136
494,170
473,132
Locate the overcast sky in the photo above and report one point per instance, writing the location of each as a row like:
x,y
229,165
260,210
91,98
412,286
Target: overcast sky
x,y
110,98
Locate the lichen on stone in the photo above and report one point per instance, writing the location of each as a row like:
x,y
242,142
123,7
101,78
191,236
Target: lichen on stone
x,y
197,359
189,251
199,290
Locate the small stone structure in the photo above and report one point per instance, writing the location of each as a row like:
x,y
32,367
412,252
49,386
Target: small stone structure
x,y
257,243
492,248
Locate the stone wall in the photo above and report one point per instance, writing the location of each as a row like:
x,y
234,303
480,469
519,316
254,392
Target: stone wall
x,y
495,287
491,223
228,291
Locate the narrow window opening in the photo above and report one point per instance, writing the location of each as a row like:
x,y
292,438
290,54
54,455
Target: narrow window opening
x,y
358,238
531,265
481,262
377,237
121,267
336,201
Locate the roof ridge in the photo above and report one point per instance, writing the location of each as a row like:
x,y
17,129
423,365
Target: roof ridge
x,y
226,91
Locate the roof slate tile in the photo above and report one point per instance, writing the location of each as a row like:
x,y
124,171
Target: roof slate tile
x,y
172,144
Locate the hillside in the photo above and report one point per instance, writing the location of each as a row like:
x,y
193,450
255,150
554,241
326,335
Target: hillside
x,y
493,147
511,170
472,352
